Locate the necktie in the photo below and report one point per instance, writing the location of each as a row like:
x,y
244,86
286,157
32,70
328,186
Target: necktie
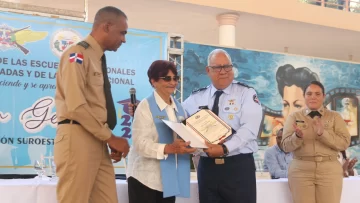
x,y
215,107
314,113
110,107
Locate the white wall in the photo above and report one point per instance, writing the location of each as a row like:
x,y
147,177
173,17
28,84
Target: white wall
x,y
257,32
288,9
73,5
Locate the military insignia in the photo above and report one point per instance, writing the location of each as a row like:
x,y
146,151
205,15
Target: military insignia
x,y
231,116
326,123
236,108
227,108
242,84
256,100
301,123
83,44
160,117
231,101
76,57
200,90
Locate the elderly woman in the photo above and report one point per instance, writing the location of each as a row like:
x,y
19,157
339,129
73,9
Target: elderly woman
x,y
159,165
315,135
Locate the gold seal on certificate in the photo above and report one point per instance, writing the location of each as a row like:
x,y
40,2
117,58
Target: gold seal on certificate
x,y
209,126
203,126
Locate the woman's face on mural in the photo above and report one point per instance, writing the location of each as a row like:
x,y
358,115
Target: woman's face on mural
x,y
293,100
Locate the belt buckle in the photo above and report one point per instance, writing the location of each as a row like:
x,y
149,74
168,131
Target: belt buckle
x,y
219,161
318,158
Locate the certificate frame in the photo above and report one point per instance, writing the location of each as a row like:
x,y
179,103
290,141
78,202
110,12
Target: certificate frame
x,y
200,122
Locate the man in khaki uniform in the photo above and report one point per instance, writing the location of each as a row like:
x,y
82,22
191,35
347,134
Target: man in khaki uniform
x,y
315,135
86,115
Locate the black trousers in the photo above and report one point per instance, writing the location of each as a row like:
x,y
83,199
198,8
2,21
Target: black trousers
x,y
231,182
139,193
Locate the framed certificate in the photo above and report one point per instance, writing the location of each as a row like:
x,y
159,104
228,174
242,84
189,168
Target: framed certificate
x,y
208,126
203,126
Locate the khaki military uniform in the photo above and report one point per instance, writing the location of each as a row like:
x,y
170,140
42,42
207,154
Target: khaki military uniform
x,y
315,175
83,164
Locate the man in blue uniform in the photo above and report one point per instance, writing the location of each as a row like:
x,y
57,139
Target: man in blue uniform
x,y
226,172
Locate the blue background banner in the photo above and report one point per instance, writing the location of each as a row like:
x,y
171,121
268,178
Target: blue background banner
x,y
30,49
259,70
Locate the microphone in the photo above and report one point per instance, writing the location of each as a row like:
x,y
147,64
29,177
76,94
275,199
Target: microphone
x,y
132,92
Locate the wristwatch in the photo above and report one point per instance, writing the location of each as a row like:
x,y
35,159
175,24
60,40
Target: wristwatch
x,y
226,151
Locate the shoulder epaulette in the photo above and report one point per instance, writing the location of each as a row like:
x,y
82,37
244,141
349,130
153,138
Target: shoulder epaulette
x,y
84,44
199,90
242,84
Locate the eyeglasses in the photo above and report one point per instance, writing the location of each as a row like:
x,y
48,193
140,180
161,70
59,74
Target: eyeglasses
x,y
168,78
226,68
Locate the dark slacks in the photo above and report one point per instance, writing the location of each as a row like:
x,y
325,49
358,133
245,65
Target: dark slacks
x,y
234,181
139,193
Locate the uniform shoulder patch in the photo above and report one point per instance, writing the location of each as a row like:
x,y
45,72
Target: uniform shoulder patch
x,y
242,84
84,44
76,57
199,90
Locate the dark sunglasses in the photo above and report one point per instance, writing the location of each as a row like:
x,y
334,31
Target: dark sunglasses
x,y
168,78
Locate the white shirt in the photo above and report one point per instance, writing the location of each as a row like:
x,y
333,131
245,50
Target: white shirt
x,y
145,153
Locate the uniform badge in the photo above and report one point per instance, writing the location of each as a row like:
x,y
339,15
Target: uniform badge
x,y
160,117
256,100
300,124
235,109
76,57
231,116
326,123
231,101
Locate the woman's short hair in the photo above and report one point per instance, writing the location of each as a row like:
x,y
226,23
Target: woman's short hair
x,y
160,68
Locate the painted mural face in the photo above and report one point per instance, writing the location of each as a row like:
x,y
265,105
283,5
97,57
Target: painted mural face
x,y
293,100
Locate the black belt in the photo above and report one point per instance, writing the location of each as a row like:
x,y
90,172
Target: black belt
x,y
67,121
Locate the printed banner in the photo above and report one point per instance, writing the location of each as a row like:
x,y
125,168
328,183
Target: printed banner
x,y
278,80
30,48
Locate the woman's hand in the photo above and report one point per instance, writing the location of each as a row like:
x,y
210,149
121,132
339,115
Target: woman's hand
x,y
298,131
179,146
318,126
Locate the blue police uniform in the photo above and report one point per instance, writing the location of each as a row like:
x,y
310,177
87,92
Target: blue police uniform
x,y
233,178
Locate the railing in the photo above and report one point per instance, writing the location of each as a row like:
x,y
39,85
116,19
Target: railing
x,y
344,5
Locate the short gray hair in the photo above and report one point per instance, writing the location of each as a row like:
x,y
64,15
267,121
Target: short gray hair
x,y
217,51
